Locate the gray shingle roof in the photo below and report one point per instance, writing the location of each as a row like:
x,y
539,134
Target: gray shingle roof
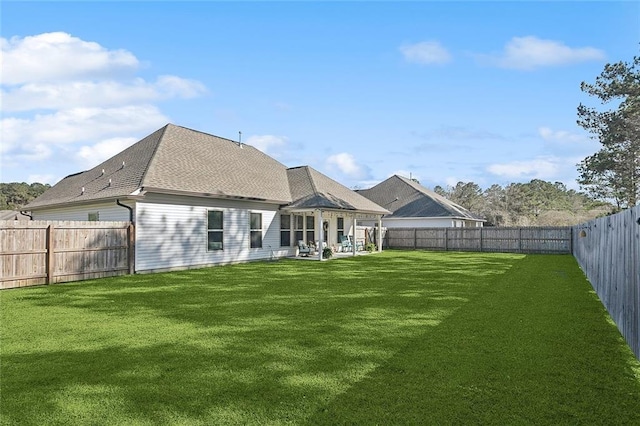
x,y
312,189
175,158
407,198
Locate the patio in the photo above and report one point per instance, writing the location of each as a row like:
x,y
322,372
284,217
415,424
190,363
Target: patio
x,y
336,255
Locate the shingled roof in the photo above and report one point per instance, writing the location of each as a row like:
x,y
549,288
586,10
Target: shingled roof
x,y
312,189
178,160
408,199
181,160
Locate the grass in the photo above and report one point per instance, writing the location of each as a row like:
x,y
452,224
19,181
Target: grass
x,y
394,338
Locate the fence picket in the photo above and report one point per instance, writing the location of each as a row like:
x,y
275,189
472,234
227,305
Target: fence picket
x,y
510,240
47,252
607,250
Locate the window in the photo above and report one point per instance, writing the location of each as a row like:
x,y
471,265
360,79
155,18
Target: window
x,y
310,229
255,224
340,229
285,230
93,216
214,230
299,228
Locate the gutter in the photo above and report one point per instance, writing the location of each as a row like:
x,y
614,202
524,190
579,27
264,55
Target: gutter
x,y
126,207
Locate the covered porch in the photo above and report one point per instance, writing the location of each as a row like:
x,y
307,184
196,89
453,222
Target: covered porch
x,y
325,214
335,229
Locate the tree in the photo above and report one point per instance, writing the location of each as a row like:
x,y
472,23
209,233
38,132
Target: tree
x,y
15,195
468,195
613,173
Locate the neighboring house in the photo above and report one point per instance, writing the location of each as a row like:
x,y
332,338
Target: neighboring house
x,y
414,206
13,215
198,200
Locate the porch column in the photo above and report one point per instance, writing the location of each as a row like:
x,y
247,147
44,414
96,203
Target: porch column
x,y
353,240
379,234
319,232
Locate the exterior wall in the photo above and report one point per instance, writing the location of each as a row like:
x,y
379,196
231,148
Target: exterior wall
x,y
171,232
106,212
424,222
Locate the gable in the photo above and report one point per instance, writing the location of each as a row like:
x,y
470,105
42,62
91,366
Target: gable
x,y
311,189
408,199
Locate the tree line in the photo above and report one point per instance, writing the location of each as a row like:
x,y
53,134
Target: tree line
x,y
16,195
537,203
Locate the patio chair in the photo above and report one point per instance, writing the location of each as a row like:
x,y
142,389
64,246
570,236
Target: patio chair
x,y
345,242
303,249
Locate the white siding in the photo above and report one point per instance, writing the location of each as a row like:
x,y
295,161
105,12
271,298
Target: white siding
x,y
171,232
106,211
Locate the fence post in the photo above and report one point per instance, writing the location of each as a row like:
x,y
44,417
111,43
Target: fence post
x,y
415,238
519,240
481,250
571,240
49,261
131,243
446,239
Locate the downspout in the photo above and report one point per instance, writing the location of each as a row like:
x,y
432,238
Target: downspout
x,y
128,208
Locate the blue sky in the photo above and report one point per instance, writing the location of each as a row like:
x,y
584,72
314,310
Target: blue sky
x,y
442,91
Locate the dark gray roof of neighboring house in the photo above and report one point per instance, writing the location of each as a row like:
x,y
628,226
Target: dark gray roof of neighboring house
x,y
408,199
177,159
312,189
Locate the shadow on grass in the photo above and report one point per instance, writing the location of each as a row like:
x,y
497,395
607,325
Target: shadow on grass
x,y
269,342
535,348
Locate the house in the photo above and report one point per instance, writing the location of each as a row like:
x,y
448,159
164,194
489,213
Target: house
x,y
198,199
414,206
13,215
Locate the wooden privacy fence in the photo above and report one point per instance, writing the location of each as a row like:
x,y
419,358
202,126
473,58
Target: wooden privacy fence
x,y
608,251
510,240
46,252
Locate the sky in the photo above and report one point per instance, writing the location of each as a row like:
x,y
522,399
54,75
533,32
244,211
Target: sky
x,y
442,92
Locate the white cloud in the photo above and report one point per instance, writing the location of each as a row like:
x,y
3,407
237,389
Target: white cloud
x,y
50,179
528,53
77,125
560,136
452,181
346,164
74,94
170,86
266,143
93,155
426,52
58,56
540,168
73,99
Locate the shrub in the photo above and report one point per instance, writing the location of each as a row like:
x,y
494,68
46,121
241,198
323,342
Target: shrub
x,y
370,247
327,253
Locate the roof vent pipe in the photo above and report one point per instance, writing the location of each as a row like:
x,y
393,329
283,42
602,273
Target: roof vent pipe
x,y
109,182
122,165
82,191
240,139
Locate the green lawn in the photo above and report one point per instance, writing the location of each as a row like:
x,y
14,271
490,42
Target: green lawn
x,y
394,338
